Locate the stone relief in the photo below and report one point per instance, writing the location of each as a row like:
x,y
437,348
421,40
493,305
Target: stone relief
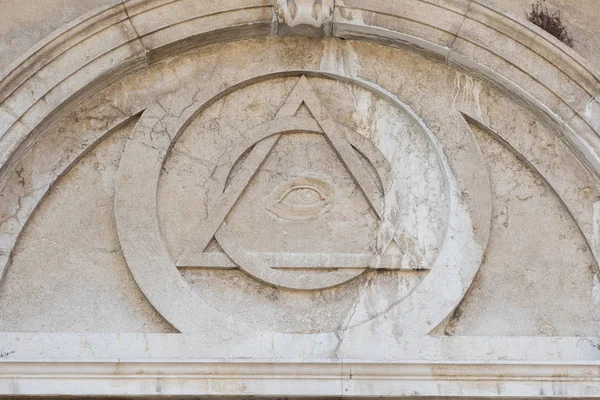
x,y
303,199
299,198
298,201
304,12
305,191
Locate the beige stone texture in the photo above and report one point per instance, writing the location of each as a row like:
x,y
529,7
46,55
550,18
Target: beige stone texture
x,y
187,182
534,251
580,17
24,23
56,283
299,198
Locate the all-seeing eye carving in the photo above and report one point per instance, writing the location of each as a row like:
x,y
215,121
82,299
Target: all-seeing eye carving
x,y
303,199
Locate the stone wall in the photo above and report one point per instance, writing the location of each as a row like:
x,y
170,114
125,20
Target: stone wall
x,y
298,198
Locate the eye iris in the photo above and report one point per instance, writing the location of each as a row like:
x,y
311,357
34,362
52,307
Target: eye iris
x,y
307,196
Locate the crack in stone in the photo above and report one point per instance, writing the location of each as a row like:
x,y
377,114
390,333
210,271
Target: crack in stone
x,y
465,16
137,34
340,333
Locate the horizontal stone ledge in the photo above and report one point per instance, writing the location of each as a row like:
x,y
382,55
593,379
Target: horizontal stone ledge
x,y
273,364
260,378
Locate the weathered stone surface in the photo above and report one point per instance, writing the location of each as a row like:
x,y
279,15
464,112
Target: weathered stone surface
x,y
24,23
47,289
579,17
399,198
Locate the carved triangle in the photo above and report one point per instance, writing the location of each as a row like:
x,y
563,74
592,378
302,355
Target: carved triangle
x,y
302,98
299,97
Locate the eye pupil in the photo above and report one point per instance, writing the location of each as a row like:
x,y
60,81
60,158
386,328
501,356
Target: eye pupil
x,y
308,194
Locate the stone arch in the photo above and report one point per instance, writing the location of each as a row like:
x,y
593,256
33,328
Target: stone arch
x,y
527,67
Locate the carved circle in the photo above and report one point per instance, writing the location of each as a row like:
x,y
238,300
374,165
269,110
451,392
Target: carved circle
x,y
159,279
